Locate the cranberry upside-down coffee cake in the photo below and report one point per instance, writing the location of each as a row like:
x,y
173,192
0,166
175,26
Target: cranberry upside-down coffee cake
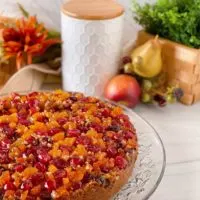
x,y
65,146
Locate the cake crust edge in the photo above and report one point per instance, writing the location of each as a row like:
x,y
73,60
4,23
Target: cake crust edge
x,y
98,192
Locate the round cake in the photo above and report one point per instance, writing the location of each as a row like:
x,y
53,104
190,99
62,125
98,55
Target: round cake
x,y
65,146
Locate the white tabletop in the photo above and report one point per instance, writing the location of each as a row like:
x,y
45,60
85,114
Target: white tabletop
x,y
179,128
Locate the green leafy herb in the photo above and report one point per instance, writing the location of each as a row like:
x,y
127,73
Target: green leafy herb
x,y
177,20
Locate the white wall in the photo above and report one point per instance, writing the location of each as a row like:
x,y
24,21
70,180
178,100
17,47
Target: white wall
x,y
48,11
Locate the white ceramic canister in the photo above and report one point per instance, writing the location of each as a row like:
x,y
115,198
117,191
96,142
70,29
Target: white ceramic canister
x,y
91,33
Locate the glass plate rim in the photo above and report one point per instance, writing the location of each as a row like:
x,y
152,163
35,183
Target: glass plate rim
x,y
151,192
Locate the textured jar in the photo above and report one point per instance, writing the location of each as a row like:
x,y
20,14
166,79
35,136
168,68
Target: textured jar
x,y
91,33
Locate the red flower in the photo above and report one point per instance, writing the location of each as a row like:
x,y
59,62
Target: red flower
x,y
29,38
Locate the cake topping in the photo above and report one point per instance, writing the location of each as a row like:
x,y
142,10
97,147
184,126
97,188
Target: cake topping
x,y
54,143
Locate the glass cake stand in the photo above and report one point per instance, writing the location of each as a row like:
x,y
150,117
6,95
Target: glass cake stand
x,y
150,164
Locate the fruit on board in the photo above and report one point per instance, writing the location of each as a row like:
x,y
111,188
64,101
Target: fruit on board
x,y
123,89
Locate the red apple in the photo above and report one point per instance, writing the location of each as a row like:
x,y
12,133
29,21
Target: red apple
x,y
123,89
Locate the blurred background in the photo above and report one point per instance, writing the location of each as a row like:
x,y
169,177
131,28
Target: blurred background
x,y
48,11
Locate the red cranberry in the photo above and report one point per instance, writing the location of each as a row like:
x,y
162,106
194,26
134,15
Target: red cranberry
x,y
37,178
128,135
43,156
62,121
101,105
4,158
40,166
76,161
22,107
33,94
91,159
77,186
9,132
31,150
117,137
50,185
32,110
128,125
33,141
27,185
22,115
2,125
123,117
97,127
83,140
5,143
120,162
19,168
106,112
24,122
83,128
111,151
33,103
53,131
9,186
59,163
73,133
59,175
94,148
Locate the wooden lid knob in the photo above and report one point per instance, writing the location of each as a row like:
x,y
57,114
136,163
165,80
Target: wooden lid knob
x,y
93,9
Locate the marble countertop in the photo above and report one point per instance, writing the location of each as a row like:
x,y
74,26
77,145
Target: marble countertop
x,y
179,128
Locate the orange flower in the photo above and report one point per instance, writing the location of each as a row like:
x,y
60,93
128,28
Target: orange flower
x,y
27,39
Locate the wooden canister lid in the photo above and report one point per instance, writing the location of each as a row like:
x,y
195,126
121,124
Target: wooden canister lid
x,y
93,9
